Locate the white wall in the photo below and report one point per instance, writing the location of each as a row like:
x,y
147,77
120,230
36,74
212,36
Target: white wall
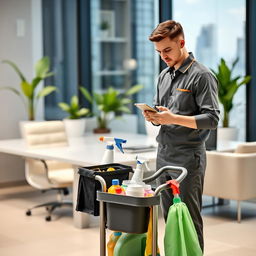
x,y
22,48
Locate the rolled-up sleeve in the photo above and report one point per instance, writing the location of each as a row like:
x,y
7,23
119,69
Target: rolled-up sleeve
x,y
206,97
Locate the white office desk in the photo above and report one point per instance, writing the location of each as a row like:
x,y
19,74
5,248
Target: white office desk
x,y
87,151
83,151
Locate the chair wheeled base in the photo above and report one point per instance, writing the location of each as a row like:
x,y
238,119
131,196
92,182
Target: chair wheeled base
x,y
51,206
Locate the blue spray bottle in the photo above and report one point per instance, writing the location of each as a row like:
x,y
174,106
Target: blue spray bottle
x,y
108,156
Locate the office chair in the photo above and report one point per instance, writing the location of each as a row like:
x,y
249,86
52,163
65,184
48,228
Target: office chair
x,y
47,174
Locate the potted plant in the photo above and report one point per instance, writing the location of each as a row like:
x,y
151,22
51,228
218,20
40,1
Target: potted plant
x,y
227,87
104,28
110,105
28,90
74,123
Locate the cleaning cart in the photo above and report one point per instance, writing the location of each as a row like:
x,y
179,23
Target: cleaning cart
x,y
131,214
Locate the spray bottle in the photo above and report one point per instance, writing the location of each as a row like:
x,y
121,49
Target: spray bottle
x,y
136,186
138,172
108,156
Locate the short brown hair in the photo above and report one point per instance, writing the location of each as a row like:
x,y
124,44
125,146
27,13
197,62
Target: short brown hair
x,y
169,28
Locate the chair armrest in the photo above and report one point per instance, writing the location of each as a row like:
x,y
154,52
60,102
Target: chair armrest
x,y
36,167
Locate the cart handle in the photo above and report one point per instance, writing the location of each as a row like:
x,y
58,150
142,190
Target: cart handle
x,y
176,182
102,217
176,169
102,183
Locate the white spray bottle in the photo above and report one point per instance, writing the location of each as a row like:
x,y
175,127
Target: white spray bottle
x,y
138,172
136,186
108,156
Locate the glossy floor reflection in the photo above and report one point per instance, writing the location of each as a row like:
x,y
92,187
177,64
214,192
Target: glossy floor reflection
x,y
33,236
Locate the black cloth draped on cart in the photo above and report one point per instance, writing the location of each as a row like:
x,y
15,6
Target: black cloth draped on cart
x,y
87,186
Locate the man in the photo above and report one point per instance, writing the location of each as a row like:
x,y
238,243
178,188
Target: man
x,y
188,108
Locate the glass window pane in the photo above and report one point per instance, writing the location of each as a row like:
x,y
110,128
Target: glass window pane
x,y
122,55
215,29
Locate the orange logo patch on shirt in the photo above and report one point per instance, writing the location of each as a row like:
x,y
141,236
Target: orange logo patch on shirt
x,y
183,90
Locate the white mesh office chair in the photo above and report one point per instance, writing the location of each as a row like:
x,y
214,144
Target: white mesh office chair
x,y
47,175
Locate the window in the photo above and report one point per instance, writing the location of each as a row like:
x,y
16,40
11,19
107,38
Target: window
x,y
215,29
122,55
60,44
98,44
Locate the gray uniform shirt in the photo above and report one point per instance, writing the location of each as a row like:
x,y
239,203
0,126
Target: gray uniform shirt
x,y
191,91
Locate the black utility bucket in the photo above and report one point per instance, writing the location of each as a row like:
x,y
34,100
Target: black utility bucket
x,y
87,187
127,213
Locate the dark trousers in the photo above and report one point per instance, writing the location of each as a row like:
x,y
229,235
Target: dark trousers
x,y
191,188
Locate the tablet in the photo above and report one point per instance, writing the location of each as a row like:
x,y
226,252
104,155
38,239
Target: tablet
x,y
144,106
139,148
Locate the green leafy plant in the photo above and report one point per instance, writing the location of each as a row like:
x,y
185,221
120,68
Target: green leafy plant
x,y
28,91
104,25
73,109
110,104
228,86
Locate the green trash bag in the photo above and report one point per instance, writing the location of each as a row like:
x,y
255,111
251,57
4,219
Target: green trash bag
x,y
180,234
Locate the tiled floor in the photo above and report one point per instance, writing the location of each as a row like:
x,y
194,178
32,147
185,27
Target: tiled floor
x,y
32,236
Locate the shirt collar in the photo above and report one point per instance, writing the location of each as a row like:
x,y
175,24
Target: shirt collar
x,y
187,63
184,66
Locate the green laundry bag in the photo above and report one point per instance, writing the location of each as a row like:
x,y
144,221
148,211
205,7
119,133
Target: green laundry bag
x,y
180,234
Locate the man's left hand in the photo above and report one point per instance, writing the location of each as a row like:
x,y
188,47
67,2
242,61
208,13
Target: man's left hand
x,y
165,116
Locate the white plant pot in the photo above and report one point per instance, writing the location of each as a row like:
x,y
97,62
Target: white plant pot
x,y
104,33
75,127
227,134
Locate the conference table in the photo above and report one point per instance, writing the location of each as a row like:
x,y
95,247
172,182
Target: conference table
x,y
87,151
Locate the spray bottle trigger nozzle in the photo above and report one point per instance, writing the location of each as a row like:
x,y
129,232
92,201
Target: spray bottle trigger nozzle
x,y
119,143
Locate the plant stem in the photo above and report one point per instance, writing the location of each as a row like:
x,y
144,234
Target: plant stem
x,y
31,110
226,119
102,120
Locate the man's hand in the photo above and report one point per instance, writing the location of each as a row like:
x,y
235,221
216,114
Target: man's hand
x,y
165,117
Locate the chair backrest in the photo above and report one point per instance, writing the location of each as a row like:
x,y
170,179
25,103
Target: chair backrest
x,y
45,134
248,147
